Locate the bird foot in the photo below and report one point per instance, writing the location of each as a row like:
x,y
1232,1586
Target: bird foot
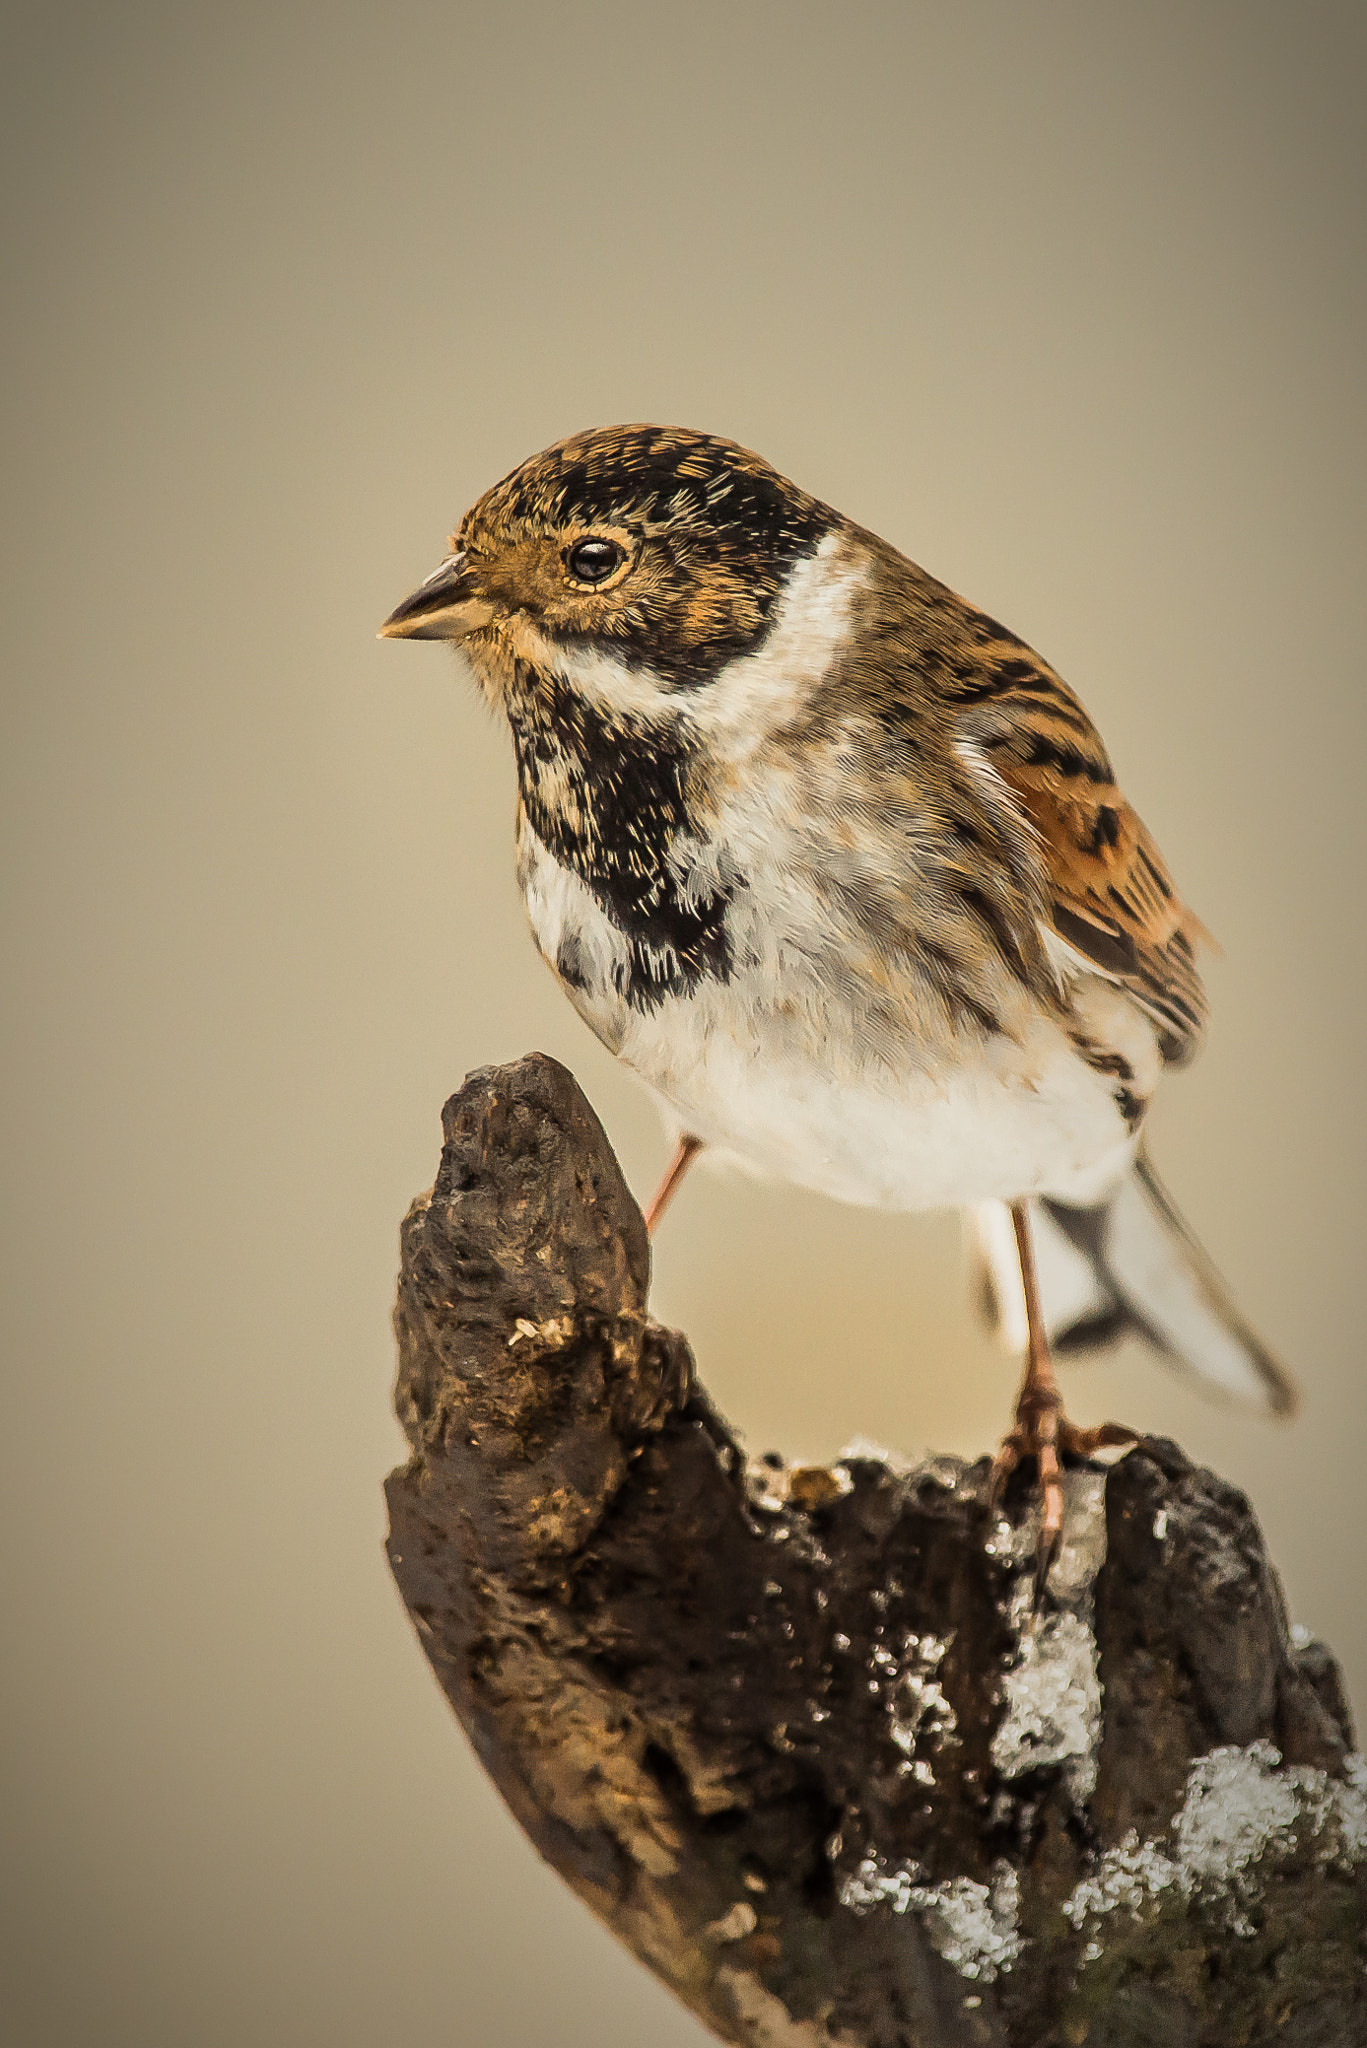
x,y
1043,1432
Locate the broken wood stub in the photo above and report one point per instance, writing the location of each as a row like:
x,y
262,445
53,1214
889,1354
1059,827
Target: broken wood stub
x,y
797,1736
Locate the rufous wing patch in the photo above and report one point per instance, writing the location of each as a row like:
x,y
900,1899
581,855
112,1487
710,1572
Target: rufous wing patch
x,y
1111,897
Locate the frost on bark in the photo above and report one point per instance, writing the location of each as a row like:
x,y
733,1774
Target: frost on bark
x,y
795,1734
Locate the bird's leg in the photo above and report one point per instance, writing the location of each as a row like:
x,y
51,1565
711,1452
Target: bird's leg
x,y
1039,1405
1041,1431
685,1152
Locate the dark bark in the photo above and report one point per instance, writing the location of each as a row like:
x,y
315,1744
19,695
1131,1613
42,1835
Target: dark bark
x,y
796,1735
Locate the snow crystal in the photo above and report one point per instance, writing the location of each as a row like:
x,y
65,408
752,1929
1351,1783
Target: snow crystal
x,y
876,1883
1009,1544
917,1707
1238,1805
1082,1551
1128,1877
1053,1705
972,1927
1052,1692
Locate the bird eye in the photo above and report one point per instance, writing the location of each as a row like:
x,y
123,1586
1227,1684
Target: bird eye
x,y
593,560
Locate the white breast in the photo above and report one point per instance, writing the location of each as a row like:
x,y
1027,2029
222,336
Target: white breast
x,y
777,1081
793,1068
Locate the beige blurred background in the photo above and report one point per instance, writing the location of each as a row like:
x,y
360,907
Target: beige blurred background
x,y
1068,301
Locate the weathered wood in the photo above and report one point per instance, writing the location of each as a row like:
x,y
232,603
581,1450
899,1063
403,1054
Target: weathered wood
x,y
797,1735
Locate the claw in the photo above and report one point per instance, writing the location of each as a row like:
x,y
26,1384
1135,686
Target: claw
x,y
1041,1431
1051,1520
1003,1465
1044,1440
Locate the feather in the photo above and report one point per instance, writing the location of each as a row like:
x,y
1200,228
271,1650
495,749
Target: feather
x,y
1129,1266
1111,898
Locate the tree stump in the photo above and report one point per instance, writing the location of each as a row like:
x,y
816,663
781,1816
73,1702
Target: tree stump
x,y
800,1736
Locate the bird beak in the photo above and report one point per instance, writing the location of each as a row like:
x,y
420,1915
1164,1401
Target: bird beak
x,y
448,606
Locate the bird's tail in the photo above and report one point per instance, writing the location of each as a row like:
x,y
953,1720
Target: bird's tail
x,y
1127,1267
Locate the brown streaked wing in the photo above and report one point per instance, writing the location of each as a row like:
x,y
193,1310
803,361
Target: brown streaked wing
x,y
1111,896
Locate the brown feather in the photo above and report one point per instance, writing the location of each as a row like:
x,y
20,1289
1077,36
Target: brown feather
x,y
1112,898
1093,872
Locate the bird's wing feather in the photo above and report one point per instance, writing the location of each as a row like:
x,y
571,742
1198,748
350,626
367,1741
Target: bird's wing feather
x,y
1111,898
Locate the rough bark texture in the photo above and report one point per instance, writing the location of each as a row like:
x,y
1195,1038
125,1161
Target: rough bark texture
x,y
797,1735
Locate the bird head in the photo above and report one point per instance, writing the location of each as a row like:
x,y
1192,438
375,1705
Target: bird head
x,y
655,553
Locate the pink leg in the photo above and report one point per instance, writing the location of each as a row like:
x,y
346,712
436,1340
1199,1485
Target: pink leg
x,y
1041,1430
685,1153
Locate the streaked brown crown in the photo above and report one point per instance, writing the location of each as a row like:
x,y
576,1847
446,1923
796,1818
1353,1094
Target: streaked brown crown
x,y
708,533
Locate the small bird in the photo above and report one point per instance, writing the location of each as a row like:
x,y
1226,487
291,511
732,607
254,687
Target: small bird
x,y
839,867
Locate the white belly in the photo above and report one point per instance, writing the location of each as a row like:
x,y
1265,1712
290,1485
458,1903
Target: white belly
x,y
1010,1121
799,1093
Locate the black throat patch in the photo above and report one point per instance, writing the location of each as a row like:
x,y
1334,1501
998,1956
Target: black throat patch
x,y
609,798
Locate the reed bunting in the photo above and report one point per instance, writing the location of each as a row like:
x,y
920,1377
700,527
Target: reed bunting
x,y
840,868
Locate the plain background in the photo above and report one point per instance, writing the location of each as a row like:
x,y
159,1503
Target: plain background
x,y
1068,301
